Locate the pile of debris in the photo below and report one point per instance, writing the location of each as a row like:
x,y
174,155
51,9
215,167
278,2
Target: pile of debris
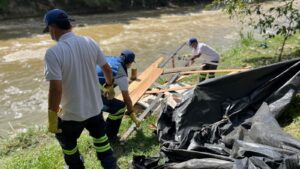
x,y
230,122
172,91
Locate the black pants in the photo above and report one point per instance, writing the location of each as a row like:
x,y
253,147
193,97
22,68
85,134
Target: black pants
x,y
116,109
71,131
208,67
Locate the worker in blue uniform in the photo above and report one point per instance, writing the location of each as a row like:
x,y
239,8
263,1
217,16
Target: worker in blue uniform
x,y
117,108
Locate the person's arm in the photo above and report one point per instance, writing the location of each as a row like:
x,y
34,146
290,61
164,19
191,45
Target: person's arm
x,y
53,75
104,66
196,54
123,84
108,90
55,93
107,74
127,101
54,98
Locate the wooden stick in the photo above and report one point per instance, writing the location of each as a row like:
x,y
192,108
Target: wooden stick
x,y
172,56
141,117
173,62
167,90
168,71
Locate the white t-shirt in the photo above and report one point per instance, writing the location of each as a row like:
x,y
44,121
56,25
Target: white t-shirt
x,y
73,60
208,54
121,79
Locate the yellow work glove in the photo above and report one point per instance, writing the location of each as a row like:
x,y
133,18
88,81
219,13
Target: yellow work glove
x,y
108,91
133,117
53,122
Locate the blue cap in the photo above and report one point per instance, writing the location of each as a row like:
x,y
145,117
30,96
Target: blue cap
x,y
192,40
128,55
55,16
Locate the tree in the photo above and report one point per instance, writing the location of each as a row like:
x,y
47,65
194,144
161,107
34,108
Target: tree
x,y
282,19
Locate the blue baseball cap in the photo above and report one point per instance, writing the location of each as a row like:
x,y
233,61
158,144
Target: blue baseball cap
x,y
192,40
128,55
56,16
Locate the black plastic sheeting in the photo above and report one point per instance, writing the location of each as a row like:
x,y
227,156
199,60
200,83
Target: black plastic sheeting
x,y
230,122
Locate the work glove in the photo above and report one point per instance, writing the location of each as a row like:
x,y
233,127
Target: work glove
x,y
133,117
53,122
108,91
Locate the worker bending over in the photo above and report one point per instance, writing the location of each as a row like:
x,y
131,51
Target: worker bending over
x,y
117,108
209,57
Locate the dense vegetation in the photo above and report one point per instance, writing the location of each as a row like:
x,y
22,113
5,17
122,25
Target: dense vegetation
x,y
27,8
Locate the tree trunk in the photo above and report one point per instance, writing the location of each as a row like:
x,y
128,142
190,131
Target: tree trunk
x,y
282,48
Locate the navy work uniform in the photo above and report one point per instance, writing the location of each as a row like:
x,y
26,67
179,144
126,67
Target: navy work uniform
x,y
116,108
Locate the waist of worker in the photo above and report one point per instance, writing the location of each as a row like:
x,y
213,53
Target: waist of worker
x,y
80,113
209,61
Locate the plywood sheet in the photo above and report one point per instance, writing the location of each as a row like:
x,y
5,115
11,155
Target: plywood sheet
x,y
138,87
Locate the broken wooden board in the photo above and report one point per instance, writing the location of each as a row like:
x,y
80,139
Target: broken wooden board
x,y
139,86
168,71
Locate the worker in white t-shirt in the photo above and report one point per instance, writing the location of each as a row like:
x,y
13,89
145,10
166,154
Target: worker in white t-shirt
x,y
117,108
70,68
207,55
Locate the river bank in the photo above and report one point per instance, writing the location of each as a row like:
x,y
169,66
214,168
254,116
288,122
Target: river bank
x,y
13,9
150,34
36,148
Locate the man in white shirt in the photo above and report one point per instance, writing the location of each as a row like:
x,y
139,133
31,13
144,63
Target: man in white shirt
x,y
116,108
208,56
70,67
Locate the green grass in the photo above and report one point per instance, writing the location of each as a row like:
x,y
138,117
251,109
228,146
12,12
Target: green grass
x,y
250,52
37,149
290,120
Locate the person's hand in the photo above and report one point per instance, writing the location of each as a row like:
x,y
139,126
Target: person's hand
x,y
132,115
53,122
109,91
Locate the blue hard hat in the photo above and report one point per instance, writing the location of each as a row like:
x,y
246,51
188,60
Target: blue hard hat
x,y
128,55
55,16
192,40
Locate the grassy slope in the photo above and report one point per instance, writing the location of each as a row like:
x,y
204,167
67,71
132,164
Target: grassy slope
x,y
35,149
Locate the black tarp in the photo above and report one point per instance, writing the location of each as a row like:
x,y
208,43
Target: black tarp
x,y
230,122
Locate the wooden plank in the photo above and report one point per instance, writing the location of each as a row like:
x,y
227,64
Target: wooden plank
x,y
234,72
203,71
168,90
138,87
